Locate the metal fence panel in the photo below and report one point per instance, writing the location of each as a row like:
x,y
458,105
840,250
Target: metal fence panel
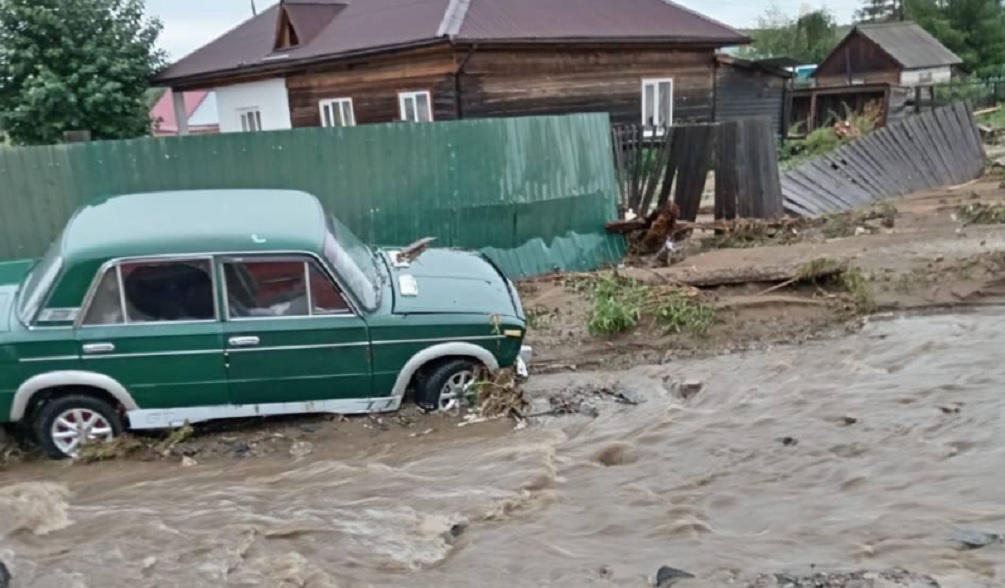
x,y
533,193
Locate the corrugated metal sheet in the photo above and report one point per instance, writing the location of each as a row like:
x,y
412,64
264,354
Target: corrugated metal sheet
x,y
532,192
743,93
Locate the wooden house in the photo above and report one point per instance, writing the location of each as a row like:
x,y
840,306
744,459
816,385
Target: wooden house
x,y
305,63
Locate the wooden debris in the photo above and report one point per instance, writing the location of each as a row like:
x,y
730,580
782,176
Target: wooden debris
x,y
711,278
991,110
414,250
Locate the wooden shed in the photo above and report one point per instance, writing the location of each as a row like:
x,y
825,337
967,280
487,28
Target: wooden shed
x,y
749,89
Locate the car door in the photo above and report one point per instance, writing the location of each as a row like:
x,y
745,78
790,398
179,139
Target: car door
x,y
290,334
153,325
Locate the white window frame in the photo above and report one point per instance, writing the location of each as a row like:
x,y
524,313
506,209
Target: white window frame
x,y
251,119
337,105
655,83
404,97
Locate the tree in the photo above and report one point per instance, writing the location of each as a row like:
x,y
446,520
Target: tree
x,y
874,11
75,65
973,29
809,38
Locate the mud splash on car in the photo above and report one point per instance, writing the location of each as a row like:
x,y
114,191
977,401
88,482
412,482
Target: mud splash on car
x,y
861,453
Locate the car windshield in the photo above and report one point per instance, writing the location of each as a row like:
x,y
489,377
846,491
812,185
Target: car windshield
x,y
354,262
38,282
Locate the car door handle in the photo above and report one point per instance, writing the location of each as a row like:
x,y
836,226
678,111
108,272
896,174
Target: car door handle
x,y
92,348
243,341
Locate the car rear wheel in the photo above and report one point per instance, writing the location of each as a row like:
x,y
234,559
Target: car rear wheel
x,y
65,424
446,386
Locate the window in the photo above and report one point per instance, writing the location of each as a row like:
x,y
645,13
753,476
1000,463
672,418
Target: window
x,y
657,102
337,113
251,120
415,106
280,288
153,292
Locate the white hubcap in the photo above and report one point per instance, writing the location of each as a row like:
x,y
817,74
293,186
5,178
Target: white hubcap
x,y
456,389
77,426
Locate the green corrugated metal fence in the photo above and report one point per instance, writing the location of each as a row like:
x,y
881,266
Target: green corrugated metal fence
x,y
533,193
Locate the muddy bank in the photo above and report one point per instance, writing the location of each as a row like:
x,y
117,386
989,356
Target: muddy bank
x,y
920,254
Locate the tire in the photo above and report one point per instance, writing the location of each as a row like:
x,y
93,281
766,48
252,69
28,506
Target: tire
x,y
104,421
442,388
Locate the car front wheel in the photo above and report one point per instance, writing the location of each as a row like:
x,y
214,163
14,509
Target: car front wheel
x,y
64,424
446,386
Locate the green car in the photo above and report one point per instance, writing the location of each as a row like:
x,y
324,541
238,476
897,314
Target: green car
x,y
155,310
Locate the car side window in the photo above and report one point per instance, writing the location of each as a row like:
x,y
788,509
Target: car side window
x,y
154,292
280,288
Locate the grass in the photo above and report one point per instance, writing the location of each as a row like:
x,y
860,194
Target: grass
x,y
980,213
621,304
849,279
845,224
995,120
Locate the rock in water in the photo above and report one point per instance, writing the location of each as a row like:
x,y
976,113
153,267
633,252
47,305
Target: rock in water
x,y
976,539
668,576
4,576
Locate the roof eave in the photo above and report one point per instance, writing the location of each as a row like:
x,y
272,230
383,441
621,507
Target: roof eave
x,y
193,81
689,41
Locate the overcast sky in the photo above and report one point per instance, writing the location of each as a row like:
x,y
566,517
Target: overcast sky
x,y
189,24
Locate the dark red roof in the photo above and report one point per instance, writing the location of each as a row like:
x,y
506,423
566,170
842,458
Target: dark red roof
x,y
500,20
334,28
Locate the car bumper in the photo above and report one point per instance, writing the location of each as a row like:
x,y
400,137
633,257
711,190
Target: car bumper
x,y
523,361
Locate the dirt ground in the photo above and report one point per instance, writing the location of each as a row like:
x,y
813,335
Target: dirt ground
x,y
928,259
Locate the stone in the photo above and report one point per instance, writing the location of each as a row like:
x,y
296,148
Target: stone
x,y
668,576
301,449
687,389
187,462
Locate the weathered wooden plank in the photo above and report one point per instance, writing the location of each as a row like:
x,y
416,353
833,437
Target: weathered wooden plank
x,y
841,162
878,148
770,191
693,171
923,144
914,154
726,181
820,187
951,136
838,185
796,203
931,135
884,184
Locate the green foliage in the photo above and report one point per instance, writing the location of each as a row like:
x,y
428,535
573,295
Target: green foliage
x,y
980,213
826,139
808,38
76,65
874,11
996,119
973,29
619,304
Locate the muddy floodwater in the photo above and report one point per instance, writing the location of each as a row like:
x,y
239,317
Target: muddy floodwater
x,y
864,452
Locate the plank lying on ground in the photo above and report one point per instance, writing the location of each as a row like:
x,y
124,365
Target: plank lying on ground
x,y
729,276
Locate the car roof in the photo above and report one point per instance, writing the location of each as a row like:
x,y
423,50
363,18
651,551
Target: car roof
x,y
195,221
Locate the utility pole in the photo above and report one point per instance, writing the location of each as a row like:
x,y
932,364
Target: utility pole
x,y
254,11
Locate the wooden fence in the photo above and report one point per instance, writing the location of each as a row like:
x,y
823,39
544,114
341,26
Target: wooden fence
x,y
935,149
653,163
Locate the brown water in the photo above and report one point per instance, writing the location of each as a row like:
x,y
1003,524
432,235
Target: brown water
x,y
706,485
